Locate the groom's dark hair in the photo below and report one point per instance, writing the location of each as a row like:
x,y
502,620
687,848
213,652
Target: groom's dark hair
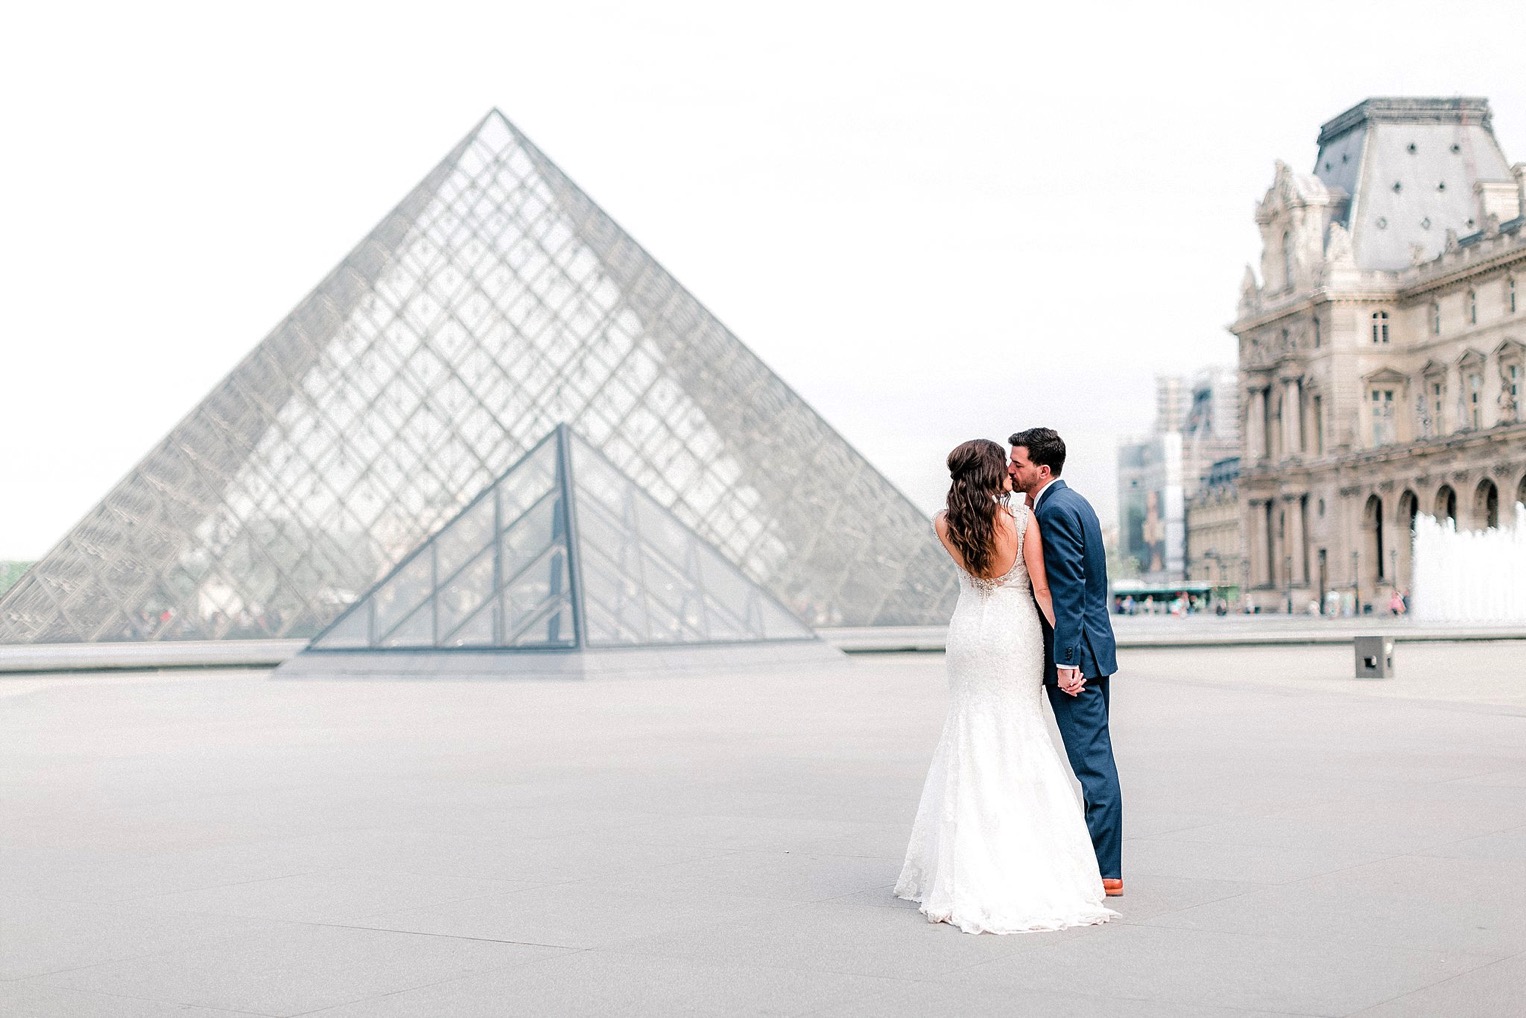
x,y
1045,448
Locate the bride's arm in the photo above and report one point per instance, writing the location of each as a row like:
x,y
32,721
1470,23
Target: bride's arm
x,y
1033,556
940,525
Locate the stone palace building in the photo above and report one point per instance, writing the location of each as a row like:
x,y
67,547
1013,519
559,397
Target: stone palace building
x,y
1381,350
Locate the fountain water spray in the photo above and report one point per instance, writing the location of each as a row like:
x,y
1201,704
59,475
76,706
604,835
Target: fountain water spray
x,y
1470,575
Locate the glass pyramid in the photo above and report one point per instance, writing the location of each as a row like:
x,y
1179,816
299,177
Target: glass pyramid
x,y
563,551
493,303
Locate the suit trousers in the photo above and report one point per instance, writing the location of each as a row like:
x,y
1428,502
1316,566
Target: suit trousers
x,y
1082,721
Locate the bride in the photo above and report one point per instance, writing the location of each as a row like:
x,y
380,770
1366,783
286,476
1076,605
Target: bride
x,y
999,844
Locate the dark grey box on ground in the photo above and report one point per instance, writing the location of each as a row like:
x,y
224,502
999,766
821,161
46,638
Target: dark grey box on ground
x,y
1374,657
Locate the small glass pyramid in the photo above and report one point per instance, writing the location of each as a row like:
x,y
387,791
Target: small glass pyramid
x,y
561,552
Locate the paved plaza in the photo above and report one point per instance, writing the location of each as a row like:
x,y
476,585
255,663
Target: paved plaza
x,y
202,843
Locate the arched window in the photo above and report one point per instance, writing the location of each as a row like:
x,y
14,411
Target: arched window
x,y
1409,508
1486,504
1317,337
1472,308
1435,318
1372,523
1287,259
1380,326
1446,503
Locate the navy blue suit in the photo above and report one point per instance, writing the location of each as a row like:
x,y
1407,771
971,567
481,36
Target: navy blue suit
x,y
1076,565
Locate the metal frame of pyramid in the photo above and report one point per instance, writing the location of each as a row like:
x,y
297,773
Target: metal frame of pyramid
x,y
495,301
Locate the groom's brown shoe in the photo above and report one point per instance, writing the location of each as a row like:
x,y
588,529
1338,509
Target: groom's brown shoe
x,y
1112,888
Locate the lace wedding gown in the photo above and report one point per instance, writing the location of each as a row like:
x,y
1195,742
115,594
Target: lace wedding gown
x,y
1000,844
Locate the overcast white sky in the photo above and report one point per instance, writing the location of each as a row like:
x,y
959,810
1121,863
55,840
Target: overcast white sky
x,y
935,222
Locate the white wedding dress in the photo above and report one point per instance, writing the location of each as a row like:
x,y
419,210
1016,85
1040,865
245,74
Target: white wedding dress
x,y
1000,843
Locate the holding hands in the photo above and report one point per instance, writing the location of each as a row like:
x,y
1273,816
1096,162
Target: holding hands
x,y
1070,680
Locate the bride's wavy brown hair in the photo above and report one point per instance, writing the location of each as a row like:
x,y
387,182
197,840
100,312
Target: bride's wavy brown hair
x,y
977,469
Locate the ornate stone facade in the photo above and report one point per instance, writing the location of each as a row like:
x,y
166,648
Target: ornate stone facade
x,y
1376,385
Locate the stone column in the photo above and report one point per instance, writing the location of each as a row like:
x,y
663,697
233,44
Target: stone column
x,y
1255,422
1256,535
1277,527
1296,549
1292,417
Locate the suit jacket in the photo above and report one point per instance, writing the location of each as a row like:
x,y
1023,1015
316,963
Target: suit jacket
x,y
1076,564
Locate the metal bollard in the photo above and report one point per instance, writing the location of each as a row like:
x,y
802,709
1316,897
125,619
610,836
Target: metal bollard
x,y
1374,657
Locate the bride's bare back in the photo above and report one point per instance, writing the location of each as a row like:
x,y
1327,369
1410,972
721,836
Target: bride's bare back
x,y
1008,542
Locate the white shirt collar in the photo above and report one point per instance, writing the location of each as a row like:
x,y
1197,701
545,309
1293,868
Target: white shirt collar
x,y
1042,492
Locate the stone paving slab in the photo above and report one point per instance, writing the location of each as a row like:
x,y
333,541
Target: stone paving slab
x,y
299,969
604,983
35,1000
1490,990
204,843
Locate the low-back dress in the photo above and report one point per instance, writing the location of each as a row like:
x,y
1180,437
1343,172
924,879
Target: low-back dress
x,y
1000,844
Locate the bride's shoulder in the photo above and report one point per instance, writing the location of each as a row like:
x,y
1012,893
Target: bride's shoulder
x,y
1021,516
1017,510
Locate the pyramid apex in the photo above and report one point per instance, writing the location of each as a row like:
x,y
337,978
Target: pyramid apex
x,y
494,126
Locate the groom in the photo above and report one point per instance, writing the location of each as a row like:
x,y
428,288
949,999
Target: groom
x,y
1079,652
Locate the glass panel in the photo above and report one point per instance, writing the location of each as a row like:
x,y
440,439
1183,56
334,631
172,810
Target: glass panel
x,y
527,594
528,483
613,539
723,624
551,628
464,538
778,624
416,631
352,631
530,535
614,601
403,593
476,632
731,593
669,538
463,595
597,481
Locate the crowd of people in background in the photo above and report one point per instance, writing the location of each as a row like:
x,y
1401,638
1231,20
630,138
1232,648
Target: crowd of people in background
x,y
1180,604
1184,603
